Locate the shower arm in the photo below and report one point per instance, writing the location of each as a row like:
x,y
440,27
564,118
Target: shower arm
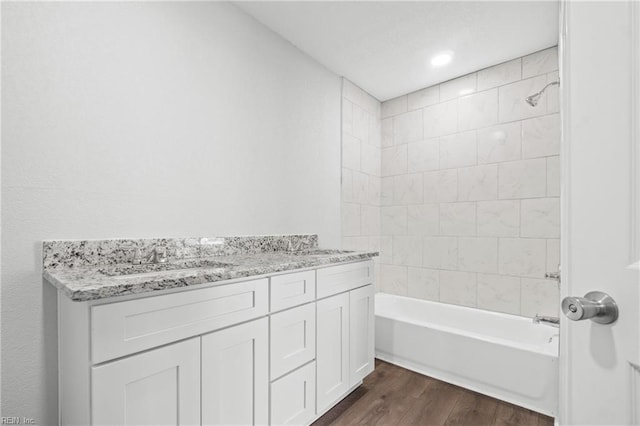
x,y
549,84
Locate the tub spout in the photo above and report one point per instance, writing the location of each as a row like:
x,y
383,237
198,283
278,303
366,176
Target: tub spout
x,y
552,321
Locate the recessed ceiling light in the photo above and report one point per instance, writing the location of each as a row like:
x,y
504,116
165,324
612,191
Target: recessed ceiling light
x,y
441,59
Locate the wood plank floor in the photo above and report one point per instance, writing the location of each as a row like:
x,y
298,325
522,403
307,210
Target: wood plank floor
x,y
392,395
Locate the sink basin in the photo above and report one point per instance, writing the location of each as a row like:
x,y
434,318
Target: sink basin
x,y
128,270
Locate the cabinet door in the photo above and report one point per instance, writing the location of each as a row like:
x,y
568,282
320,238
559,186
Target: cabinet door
x,y
293,339
332,358
293,397
361,334
159,387
235,382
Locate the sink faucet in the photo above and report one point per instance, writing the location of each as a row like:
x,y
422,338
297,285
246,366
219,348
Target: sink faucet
x,y
552,321
157,255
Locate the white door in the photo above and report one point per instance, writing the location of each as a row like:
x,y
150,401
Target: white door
x,y
332,358
235,375
361,334
159,387
600,76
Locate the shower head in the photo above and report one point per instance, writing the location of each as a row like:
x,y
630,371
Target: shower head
x,y
533,99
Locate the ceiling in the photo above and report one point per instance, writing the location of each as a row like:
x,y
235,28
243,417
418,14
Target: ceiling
x,y
386,47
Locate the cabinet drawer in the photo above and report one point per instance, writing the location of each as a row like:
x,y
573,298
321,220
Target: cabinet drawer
x,y
293,397
293,339
337,279
291,290
123,328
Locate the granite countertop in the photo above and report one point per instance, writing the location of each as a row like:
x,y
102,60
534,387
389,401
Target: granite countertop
x,y
108,279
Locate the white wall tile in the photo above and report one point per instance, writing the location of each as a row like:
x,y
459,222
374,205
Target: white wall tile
x,y
386,249
375,131
386,191
540,297
347,116
423,283
347,185
499,143
394,160
407,250
359,97
522,179
478,254
350,152
373,195
407,127
370,159
393,279
524,257
423,155
540,62
499,218
407,189
393,220
458,288
441,186
553,255
424,97
387,132
458,150
541,136
440,253
370,220
394,106
458,219
553,93
540,218
458,87
478,110
355,243
499,293
350,219
478,183
441,119
511,99
423,219
360,127
499,75
360,187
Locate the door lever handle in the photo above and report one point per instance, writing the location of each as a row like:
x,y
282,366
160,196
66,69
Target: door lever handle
x,y
597,306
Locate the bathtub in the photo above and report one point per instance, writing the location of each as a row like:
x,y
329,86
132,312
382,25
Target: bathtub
x,y
500,355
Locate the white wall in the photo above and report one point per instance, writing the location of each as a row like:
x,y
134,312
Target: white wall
x,y
470,190
148,120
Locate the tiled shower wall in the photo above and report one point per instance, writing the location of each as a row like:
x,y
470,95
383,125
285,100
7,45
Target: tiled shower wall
x,y
470,207
361,170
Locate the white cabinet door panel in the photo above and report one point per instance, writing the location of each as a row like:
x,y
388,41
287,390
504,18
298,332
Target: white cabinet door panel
x,y
293,397
361,333
235,382
159,387
332,358
293,339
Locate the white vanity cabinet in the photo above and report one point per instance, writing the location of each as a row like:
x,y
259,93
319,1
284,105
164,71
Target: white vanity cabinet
x,y
276,350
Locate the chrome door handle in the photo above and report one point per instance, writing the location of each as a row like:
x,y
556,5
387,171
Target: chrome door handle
x,y
597,306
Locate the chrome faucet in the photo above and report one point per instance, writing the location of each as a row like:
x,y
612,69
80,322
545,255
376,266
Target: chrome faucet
x,y
156,255
552,321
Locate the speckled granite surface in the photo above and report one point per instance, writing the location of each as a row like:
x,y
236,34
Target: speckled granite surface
x,y
90,270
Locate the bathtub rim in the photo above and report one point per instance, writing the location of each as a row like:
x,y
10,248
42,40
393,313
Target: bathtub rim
x,y
551,349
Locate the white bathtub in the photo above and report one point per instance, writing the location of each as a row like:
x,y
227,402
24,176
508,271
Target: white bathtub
x,y
500,355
